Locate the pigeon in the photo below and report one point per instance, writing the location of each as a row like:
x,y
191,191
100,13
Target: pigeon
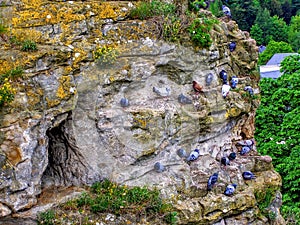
x,y
158,167
249,142
184,100
164,92
193,155
209,78
234,81
245,150
249,89
124,102
197,88
181,153
225,90
232,156
212,181
230,189
223,76
232,46
226,11
225,161
247,175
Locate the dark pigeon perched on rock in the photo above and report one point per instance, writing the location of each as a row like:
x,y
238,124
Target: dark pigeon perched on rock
x,y
248,175
232,46
212,181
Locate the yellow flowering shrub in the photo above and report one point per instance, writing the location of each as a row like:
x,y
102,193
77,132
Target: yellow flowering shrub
x,y
106,54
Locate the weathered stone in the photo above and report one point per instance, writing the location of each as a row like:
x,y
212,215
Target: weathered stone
x,y
68,128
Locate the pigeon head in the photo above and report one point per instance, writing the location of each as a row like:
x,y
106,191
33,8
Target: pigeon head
x,y
234,185
197,150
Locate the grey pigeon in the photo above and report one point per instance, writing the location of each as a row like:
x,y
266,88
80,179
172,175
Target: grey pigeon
x,y
245,150
193,155
209,79
181,153
249,142
230,189
124,102
212,181
164,92
158,167
249,89
184,100
248,175
226,11
234,81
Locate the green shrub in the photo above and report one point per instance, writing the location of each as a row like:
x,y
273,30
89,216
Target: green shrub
x,y
46,218
171,218
29,46
145,10
199,31
171,28
6,89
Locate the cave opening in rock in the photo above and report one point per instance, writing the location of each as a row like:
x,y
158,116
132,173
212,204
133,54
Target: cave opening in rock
x,y
66,165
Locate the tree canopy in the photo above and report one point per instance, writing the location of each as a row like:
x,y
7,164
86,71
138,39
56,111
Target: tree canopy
x,y
278,129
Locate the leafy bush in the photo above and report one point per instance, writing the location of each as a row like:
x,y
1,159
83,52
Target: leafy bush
x,y
272,48
146,10
278,130
46,218
199,31
29,46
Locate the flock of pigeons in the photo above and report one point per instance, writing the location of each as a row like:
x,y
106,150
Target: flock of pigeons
x,y
194,155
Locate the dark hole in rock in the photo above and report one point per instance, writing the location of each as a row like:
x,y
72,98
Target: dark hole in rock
x,y
66,165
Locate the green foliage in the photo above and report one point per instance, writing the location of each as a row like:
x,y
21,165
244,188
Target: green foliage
x,y
171,218
264,199
146,10
257,33
46,218
196,5
29,46
294,33
278,130
3,28
272,48
172,28
108,197
244,12
116,199
278,30
199,31
6,89
216,8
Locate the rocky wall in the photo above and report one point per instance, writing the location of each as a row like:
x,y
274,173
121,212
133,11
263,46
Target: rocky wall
x,y
68,126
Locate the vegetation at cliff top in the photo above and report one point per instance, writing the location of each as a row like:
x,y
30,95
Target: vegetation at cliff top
x,y
277,131
108,197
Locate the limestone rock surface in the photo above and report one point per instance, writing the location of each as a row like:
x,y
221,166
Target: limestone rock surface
x,y
66,126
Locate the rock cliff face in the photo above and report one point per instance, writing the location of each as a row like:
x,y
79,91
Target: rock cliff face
x,y
67,126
